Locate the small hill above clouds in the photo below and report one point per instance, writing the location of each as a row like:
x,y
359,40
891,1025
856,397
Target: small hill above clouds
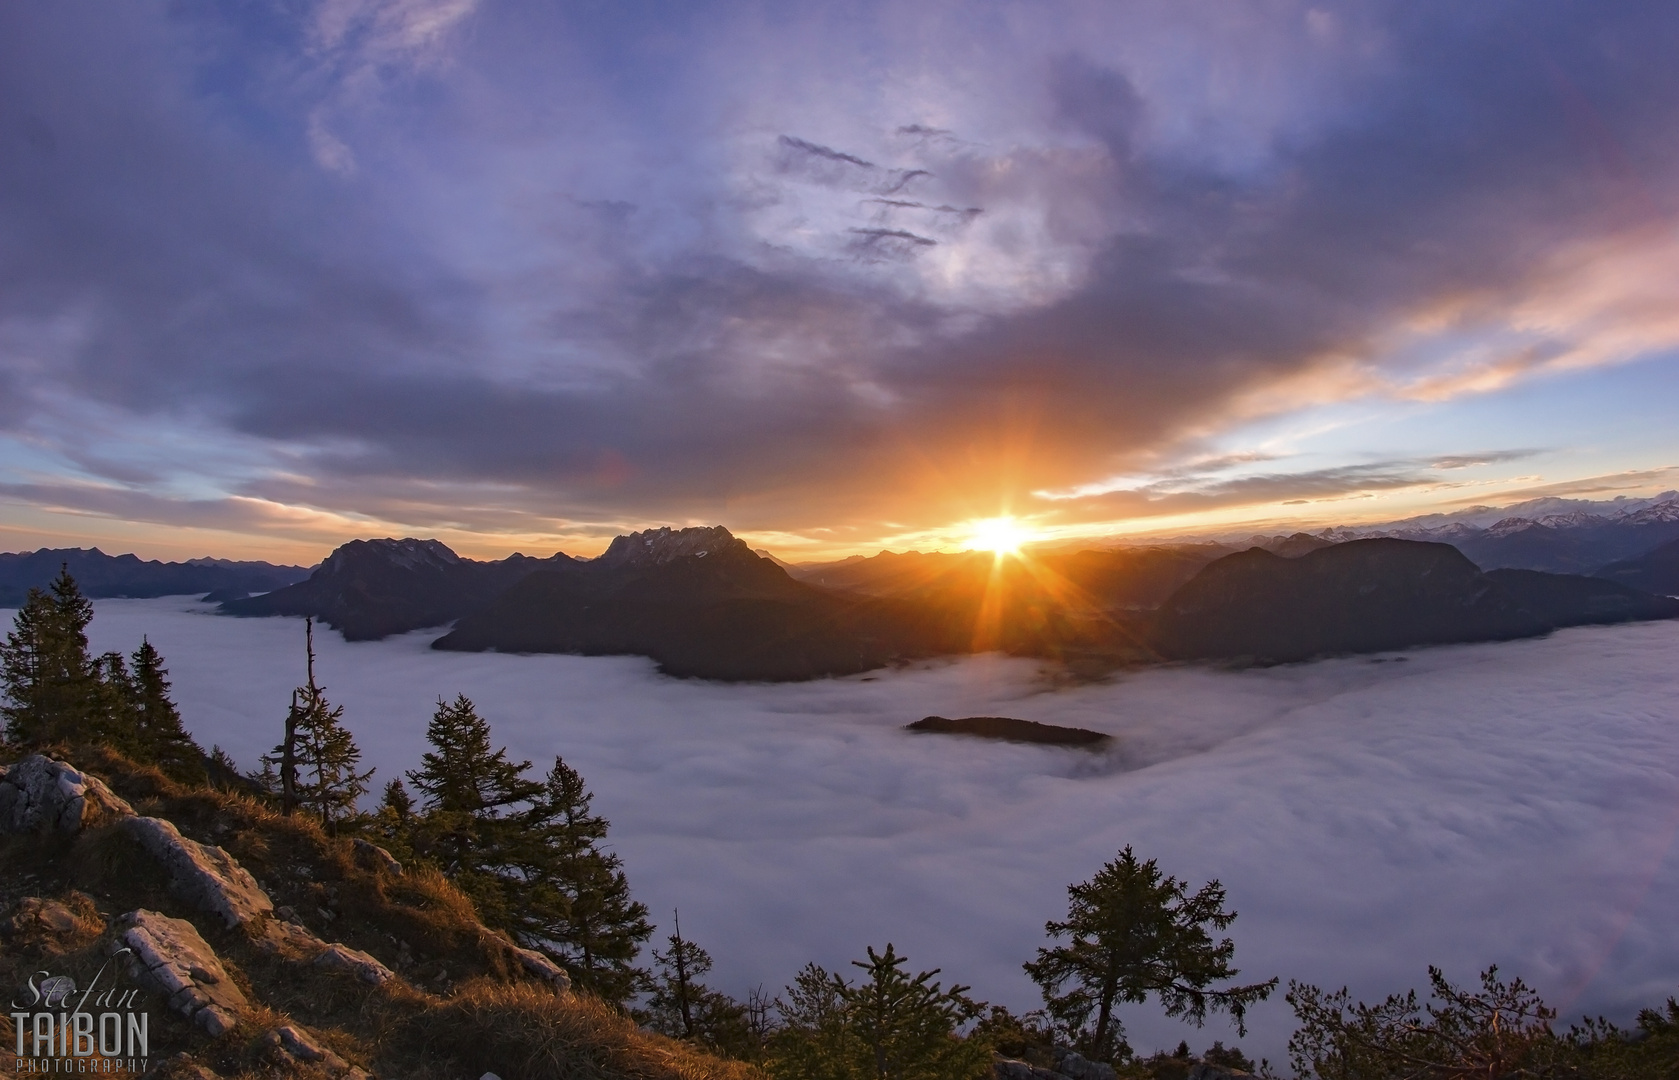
x,y
1375,595
100,575
369,589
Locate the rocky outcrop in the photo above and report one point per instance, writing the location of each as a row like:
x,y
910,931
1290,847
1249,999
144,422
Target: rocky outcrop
x,y
293,1044
206,877
37,916
169,956
1206,1070
1076,1065
40,793
371,856
1067,1065
542,967
356,962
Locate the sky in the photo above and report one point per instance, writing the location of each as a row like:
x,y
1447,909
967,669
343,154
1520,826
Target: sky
x,y
837,275
1511,803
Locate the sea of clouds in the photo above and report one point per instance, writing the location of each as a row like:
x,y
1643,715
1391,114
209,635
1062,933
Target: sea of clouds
x,y
1509,803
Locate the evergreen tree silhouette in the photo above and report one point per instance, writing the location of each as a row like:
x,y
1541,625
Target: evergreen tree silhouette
x,y
318,758
595,929
52,689
476,804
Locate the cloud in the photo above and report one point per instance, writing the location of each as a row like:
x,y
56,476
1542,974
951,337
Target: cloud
x,y
1507,803
371,241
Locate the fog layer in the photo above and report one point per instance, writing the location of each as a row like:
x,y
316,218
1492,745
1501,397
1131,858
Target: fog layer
x,y
1510,803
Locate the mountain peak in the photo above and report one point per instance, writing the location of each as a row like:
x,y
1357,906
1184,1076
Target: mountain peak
x,y
655,547
407,553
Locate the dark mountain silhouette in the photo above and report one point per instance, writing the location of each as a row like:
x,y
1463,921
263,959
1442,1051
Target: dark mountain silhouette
x,y
1117,579
1008,729
1374,595
369,589
102,575
1653,572
700,603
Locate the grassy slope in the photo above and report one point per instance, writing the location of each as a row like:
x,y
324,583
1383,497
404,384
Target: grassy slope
x,y
462,1006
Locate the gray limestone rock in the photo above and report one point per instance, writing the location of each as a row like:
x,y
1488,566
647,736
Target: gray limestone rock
x,y
169,956
40,793
36,915
1076,1065
295,1043
1012,1069
1206,1070
373,857
358,963
543,968
206,877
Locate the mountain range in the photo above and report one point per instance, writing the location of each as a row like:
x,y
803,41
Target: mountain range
x,y
701,603
102,575
369,589
1558,535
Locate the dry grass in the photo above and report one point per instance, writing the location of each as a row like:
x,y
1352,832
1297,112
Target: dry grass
x,y
462,1007
521,1031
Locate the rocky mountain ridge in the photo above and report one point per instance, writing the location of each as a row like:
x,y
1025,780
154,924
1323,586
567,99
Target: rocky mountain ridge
x,y
370,589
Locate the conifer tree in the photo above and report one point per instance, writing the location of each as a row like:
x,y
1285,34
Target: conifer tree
x,y
51,687
476,803
595,929
888,1026
318,759
1133,931
158,733
681,1006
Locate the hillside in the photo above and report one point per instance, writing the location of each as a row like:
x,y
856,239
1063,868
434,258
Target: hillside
x,y
1653,572
370,589
1375,595
267,948
101,575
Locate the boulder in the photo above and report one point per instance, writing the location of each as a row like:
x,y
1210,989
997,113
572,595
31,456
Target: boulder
x,y
169,956
206,877
288,940
356,962
1012,1069
40,793
543,968
1206,1070
1079,1067
35,917
295,1043
373,857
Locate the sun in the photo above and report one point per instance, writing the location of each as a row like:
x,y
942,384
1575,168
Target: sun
x,y
1002,535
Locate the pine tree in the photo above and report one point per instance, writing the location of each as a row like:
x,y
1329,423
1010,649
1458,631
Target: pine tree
x,y
318,758
51,686
816,1039
474,828
595,929
888,1026
1134,932
159,735
681,1006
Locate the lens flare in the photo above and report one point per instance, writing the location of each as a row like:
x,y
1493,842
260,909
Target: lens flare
x,y
1002,535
